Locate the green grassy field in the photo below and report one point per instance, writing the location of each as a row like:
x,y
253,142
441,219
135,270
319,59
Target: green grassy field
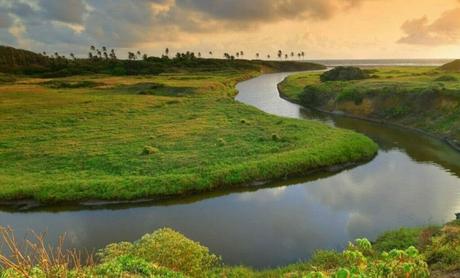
x,y
105,137
419,97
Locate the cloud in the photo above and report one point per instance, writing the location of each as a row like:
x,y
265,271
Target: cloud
x,y
123,23
69,11
444,30
261,10
5,20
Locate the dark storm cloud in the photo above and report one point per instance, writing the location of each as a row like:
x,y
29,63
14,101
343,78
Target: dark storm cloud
x,y
444,30
260,10
124,23
69,11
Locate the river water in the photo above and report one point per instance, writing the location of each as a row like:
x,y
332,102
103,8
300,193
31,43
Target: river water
x,y
414,180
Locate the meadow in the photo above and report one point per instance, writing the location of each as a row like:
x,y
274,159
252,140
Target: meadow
x,y
110,137
425,98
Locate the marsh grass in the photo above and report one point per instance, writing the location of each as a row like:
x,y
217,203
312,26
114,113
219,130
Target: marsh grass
x,y
36,258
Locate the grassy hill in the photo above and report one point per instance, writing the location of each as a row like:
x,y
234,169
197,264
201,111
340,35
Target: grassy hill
x,y
452,66
10,56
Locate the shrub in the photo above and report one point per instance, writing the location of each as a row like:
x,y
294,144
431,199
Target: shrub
x,y
122,265
446,78
327,259
361,261
444,251
173,250
313,96
399,239
221,142
344,74
352,94
165,248
276,137
131,266
149,150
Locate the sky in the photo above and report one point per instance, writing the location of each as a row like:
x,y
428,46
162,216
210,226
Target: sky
x,y
323,29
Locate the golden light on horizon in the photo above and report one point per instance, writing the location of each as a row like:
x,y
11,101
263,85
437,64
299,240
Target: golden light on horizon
x,y
321,28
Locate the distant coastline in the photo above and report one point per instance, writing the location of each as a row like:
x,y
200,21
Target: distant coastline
x,y
381,62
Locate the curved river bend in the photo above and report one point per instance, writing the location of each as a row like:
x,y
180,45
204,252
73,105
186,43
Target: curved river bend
x,y
414,180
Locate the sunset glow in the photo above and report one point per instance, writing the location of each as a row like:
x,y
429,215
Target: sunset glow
x,y
324,29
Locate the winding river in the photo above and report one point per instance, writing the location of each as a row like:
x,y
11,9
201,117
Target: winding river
x,y
414,180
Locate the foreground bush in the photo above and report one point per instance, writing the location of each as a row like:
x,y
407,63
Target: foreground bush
x,y
166,253
165,248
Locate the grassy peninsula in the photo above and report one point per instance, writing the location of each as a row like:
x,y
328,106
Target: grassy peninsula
x,y
151,136
425,98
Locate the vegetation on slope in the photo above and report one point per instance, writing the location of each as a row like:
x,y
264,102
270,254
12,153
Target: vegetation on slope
x,y
452,66
424,98
105,137
17,61
166,253
344,74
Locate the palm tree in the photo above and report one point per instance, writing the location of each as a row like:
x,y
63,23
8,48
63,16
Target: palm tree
x,y
286,56
257,55
237,54
280,54
131,56
167,52
292,54
104,49
145,57
72,56
303,54
139,53
268,56
210,53
199,54
241,53
92,48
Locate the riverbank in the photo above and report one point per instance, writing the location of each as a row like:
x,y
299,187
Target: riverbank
x,y
407,252
424,99
126,138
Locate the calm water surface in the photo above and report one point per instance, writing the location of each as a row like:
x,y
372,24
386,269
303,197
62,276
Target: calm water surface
x,y
414,180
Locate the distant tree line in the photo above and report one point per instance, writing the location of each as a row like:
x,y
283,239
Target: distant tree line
x,y
106,61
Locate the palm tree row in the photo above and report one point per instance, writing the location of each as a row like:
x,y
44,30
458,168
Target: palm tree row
x,y
104,54
100,54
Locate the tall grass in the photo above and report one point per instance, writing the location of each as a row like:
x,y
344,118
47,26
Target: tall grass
x,y
35,256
